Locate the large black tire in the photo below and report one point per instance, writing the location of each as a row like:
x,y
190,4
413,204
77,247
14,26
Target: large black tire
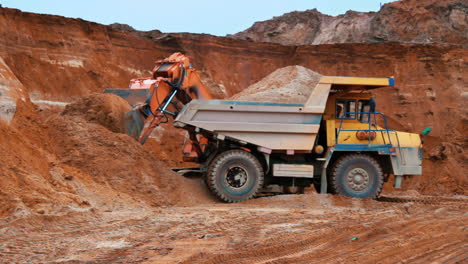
x,y
356,175
235,176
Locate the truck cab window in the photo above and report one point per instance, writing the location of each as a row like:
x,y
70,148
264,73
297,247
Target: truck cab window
x,y
364,106
345,109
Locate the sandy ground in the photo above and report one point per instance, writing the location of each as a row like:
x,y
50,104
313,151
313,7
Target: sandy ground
x,y
308,228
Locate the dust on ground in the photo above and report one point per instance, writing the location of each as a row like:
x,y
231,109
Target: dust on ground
x,y
308,228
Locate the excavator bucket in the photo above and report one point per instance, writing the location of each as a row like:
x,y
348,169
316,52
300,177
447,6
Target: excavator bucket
x,y
133,119
133,96
134,122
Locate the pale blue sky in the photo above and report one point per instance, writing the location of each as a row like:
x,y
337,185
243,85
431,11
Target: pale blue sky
x,y
215,17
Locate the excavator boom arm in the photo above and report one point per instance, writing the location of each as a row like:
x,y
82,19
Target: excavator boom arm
x,y
157,99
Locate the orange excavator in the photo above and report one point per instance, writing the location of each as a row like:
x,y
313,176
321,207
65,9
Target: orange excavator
x,y
173,84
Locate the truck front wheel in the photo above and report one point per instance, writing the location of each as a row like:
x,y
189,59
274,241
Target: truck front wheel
x,y
234,176
357,175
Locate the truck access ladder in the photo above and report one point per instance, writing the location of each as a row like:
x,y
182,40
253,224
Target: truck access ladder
x,y
388,145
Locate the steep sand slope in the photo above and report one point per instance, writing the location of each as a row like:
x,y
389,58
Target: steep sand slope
x,y
56,163
104,109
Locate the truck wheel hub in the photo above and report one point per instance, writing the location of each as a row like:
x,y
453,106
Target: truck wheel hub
x,y
358,179
236,177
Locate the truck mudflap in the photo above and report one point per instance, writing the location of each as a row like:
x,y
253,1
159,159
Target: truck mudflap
x,y
323,175
407,161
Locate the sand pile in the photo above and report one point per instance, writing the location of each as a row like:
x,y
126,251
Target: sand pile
x,y
117,160
54,163
27,184
114,160
292,84
104,109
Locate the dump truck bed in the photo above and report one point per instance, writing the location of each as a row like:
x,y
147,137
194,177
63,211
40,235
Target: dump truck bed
x,y
270,125
273,126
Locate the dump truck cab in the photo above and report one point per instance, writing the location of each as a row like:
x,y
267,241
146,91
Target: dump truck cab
x,y
353,126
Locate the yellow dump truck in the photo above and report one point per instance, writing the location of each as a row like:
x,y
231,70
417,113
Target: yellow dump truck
x,y
335,141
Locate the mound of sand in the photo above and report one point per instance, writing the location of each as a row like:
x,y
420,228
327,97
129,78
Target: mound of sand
x,y
27,158
55,163
107,110
112,159
292,84
104,109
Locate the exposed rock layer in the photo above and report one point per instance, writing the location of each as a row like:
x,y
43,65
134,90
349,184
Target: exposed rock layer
x,y
414,21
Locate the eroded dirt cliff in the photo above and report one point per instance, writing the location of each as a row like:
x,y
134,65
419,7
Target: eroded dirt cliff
x,y
412,21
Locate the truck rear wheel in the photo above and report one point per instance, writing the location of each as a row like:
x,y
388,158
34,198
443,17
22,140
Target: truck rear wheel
x,y
357,175
235,176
